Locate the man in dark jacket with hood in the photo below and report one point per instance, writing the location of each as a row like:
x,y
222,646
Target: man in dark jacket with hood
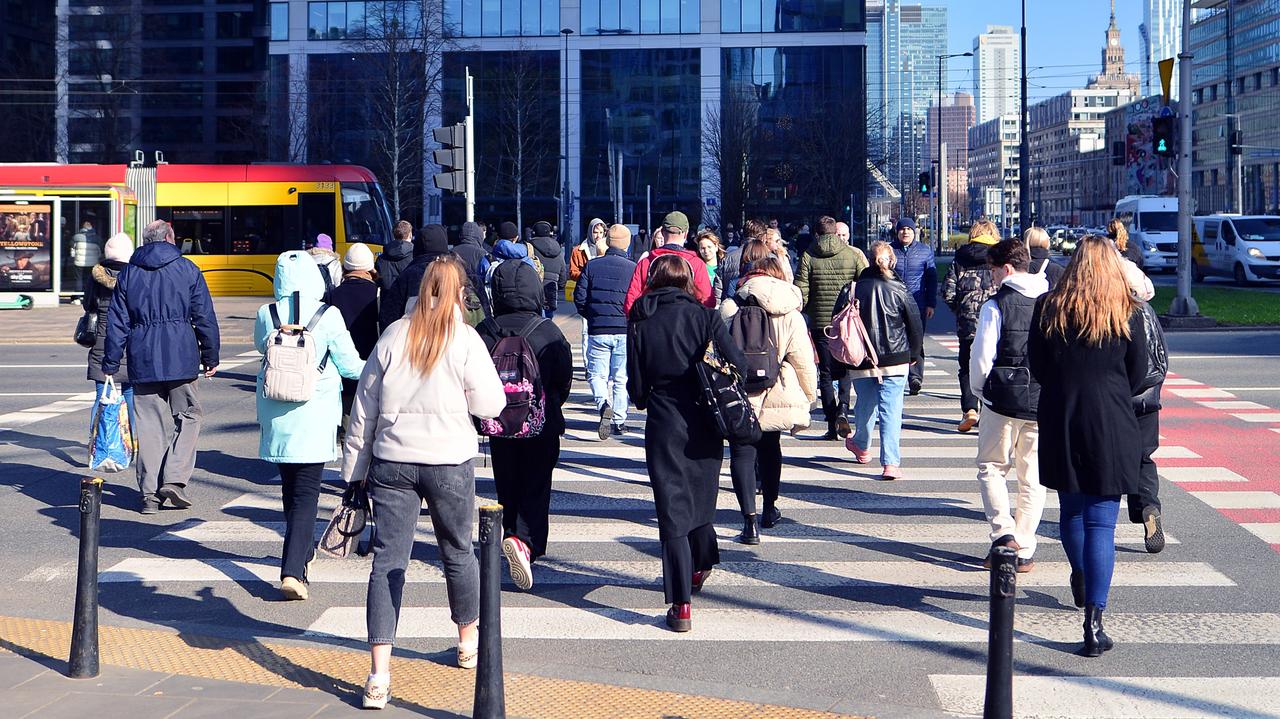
x,y
396,255
162,315
555,273
522,467
471,250
431,243
920,275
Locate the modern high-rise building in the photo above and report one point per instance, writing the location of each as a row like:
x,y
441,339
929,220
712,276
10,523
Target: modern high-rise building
x,y
912,37
27,79
996,67
953,119
1161,32
723,109
187,79
993,169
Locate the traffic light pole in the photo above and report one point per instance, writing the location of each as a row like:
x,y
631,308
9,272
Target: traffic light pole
x,y
1183,304
470,134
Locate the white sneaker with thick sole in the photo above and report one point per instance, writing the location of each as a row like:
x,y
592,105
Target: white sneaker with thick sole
x,y
518,558
293,589
376,692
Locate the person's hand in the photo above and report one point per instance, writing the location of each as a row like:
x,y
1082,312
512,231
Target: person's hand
x,y
928,313
210,372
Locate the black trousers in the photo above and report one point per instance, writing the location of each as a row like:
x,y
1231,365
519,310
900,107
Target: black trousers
x,y
762,460
1148,478
915,374
968,400
522,475
831,379
682,556
300,484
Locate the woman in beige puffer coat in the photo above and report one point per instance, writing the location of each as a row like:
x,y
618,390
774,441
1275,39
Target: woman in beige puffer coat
x,y
784,407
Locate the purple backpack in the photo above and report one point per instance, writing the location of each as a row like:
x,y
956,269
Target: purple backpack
x,y
526,410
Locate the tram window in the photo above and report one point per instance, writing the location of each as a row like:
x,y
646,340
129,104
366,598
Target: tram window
x,y
260,230
199,231
316,210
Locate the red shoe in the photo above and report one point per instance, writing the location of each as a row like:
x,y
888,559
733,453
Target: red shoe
x,y
700,578
680,617
860,455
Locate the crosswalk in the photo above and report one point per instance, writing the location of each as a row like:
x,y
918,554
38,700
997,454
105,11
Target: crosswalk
x,y
880,565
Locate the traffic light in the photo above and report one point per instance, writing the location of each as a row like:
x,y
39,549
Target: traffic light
x,y
1237,143
1163,141
926,184
452,159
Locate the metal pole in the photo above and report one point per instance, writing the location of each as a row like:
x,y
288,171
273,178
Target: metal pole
x,y
1184,305
1004,590
490,697
942,193
1024,143
618,209
648,211
937,181
470,140
564,220
83,663
1235,162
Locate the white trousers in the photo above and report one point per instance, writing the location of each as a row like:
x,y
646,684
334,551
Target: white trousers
x,y
1005,444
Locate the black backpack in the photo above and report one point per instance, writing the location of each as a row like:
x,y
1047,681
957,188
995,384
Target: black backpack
x,y
753,332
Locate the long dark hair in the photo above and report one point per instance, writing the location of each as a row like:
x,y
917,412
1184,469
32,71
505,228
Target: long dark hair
x,y
671,271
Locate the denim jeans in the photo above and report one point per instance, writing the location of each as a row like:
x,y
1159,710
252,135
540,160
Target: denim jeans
x,y
607,363
879,398
396,490
1087,523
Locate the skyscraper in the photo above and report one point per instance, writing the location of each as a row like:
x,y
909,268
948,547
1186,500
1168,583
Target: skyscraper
x,y
995,71
913,38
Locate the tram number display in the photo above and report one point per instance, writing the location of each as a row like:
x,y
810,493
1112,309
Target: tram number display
x,y
26,247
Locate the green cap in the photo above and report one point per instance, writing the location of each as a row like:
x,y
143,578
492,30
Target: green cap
x,y
678,220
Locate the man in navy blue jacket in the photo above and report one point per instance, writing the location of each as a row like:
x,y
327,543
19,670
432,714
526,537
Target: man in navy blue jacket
x,y
918,272
599,296
162,315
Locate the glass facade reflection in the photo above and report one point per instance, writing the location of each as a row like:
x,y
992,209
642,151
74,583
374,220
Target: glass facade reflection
x,y
793,130
498,18
792,15
517,133
641,17
647,104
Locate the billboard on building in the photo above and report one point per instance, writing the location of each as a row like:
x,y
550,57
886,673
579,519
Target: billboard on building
x,y
26,247
1145,173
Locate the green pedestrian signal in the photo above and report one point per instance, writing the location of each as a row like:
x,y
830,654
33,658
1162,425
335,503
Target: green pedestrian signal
x,y
1163,133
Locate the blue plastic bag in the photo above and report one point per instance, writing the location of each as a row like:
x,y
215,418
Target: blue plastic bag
x,y
111,445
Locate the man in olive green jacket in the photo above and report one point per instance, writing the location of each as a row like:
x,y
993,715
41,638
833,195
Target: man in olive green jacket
x,y
826,267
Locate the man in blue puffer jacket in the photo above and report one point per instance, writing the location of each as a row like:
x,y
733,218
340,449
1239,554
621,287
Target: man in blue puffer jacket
x,y
918,272
599,296
162,315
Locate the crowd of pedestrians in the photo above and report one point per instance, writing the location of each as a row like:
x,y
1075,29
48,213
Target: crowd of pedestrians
x,y
413,353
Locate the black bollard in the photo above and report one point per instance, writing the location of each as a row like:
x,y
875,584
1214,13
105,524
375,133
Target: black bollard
x,y
83,663
1004,590
490,700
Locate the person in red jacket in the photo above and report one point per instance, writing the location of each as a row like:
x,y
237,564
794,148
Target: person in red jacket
x,y
675,229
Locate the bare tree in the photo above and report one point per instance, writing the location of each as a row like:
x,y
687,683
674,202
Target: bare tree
x,y
106,61
525,130
731,145
829,151
401,43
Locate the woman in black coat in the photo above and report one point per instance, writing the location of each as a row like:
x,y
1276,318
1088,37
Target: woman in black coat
x,y
1087,349
522,467
357,299
682,447
97,300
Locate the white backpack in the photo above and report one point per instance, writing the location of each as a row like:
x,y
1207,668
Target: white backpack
x,y
289,366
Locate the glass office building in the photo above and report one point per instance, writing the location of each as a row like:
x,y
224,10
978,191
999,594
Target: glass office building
x,y
620,108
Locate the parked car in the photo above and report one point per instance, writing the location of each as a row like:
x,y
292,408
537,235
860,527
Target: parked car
x,y
1243,247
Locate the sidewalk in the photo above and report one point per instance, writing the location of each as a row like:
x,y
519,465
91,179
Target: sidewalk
x,y
54,325
156,674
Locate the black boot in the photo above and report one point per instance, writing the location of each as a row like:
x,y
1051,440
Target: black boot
x,y
1077,588
771,516
750,532
1096,640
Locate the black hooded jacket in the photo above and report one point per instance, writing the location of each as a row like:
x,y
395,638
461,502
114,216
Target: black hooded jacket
x,y
431,243
1040,261
396,255
552,255
517,298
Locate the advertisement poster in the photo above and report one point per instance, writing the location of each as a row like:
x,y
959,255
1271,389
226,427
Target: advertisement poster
x,y
26,247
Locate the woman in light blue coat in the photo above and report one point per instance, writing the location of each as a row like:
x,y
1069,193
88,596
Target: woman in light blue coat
x,y
301,437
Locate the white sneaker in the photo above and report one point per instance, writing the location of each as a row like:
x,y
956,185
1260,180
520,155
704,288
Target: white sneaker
x,y
293,589
517,555
377,691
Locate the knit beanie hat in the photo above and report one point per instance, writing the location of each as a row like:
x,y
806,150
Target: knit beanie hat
x,y
324,241
358,258
904,222
508,231
433,240
119,248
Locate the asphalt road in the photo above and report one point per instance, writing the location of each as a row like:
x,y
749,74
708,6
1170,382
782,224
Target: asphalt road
x,y
868,599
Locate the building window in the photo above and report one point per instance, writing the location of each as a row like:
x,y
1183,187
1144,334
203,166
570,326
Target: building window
x,y
640,17
509,18
279,21
336,20
792,15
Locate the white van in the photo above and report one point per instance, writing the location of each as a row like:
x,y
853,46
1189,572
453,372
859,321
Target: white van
x,y
1152,222
1243,247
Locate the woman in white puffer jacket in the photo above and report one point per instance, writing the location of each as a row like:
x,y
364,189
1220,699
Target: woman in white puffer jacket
x,y
785,406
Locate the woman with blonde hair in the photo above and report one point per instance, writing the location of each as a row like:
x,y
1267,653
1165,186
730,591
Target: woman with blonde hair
x,y
1087,349
411,435
893,323
1131,261
1038,246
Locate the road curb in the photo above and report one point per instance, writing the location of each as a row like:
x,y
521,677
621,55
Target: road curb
x,y
418,683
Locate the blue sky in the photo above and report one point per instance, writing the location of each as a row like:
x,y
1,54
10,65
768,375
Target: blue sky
x,y
1064,38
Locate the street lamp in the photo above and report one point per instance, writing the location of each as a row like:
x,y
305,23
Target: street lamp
x,y
564,193
1024,140
939,227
